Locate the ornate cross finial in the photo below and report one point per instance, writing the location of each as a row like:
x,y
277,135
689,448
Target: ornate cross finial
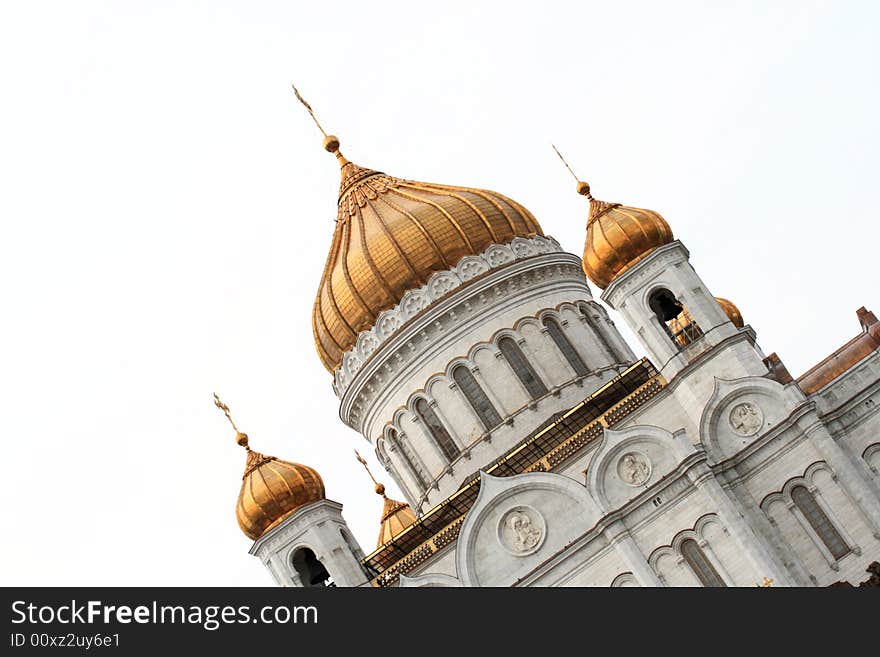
x,y
309,108
240,438
380,488
767,583
582,188
331,142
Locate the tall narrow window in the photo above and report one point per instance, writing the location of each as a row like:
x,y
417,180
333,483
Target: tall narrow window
x,y
567,349
436,429
698,562
521,367
403,450
476,397
597,329
819,521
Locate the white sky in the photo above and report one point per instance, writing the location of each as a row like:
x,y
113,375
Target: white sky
x,y
167,208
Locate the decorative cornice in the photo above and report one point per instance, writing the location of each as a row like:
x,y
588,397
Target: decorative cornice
x,y
658,259
390,321
445,323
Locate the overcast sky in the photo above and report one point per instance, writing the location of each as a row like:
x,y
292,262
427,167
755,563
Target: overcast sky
x,y
167,209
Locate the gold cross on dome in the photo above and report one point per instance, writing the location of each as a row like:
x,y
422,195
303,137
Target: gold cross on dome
x,y
223,407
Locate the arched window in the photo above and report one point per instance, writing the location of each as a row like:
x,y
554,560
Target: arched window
x,y
398,444
436,429
698,562
521,367
820,522
475,396
596,328
675,319
565,346
311,571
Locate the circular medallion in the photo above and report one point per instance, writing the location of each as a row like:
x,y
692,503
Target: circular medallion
x,y
746,419
521,530
634,468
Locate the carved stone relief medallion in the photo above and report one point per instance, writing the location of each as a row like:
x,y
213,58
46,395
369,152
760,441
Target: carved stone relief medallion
x,y
746,419
521,530
634,468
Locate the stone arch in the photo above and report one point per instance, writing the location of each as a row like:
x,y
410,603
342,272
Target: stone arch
x,y
623,580
871,456
536,492
677,567
428,580
307,566
769,398
833,543
660,449
439,432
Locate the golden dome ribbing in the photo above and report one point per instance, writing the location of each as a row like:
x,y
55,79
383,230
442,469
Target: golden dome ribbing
x,y
391,235
272,489
396,516
619,236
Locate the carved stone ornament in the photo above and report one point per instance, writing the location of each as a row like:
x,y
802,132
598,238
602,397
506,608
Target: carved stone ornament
x,y
521,530
438,285
634,469
746,419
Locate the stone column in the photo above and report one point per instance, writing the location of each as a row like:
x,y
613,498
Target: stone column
x,y
761,558
535,362
765,525
622,541
852,482
487,389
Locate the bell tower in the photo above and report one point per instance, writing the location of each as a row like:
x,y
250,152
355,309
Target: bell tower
x,y
299,535
647,276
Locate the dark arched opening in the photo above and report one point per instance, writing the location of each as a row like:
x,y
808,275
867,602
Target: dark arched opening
x,y
675,319
311,571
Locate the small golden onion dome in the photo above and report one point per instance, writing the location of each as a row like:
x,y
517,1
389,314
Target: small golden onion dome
x,y
272,489
391,235
731,311
396,516
619,236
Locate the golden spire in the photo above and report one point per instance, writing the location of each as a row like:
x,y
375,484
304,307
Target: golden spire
x,y
582,188
240,438
396,516
331,142
380,488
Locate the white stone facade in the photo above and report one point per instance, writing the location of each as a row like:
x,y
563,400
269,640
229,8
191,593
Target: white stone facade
x,y
725,476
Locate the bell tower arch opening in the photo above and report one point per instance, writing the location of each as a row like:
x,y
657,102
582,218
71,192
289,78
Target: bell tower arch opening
x,y
311,571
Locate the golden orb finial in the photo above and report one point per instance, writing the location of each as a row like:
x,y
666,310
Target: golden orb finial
x,y
380,488
583,188
331,143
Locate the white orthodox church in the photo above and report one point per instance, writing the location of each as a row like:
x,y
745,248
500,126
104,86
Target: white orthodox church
x,y
533,448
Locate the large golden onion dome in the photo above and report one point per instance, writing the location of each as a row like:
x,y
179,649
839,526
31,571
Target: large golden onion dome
x,y
619,236
391,235
731,311
271,490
